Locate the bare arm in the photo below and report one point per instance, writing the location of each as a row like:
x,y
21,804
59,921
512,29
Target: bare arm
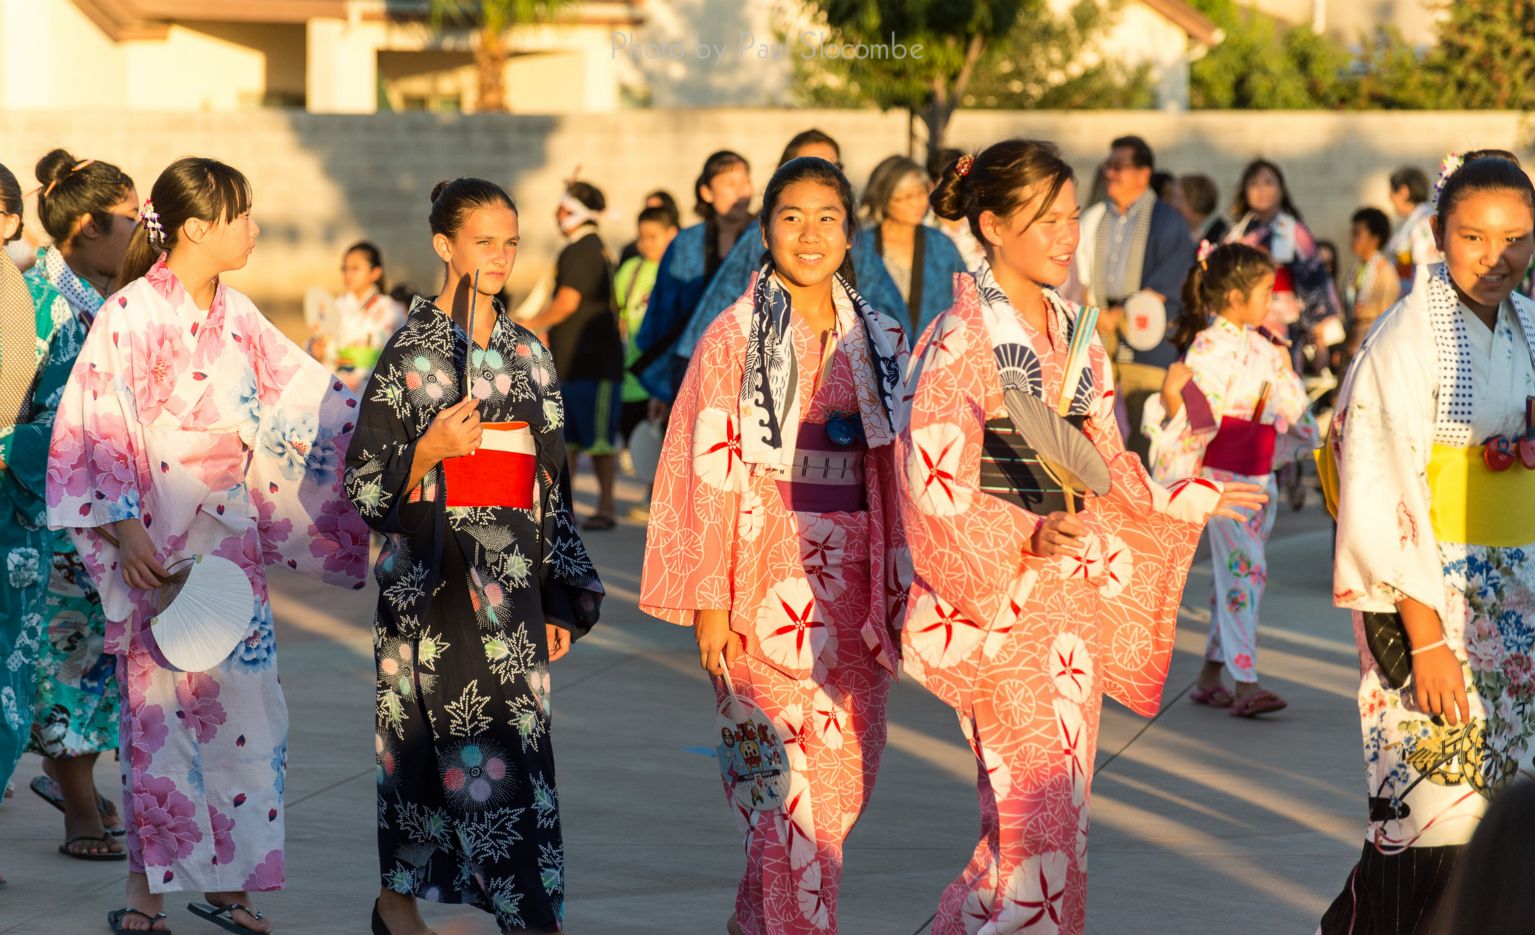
x,y
564,304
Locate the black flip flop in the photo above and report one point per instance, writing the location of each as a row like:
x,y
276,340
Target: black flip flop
x,y
110,855
116,916
598,522
46,789
223,916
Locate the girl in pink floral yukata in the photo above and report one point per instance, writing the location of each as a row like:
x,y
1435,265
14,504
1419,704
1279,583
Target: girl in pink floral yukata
x,y
1024,613
774,532
191,426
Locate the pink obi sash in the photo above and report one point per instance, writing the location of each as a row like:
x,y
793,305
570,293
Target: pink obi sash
x,y
825,477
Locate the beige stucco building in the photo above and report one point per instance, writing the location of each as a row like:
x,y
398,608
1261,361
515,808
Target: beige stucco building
x,y
363,56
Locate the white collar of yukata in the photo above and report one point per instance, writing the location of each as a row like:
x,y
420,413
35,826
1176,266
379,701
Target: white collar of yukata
x,y
77,292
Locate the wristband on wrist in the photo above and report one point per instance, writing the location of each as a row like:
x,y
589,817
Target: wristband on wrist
x,y
1434,645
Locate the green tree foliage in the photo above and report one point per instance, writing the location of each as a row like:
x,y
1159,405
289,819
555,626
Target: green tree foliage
x,y
1485,58
975,53
491,21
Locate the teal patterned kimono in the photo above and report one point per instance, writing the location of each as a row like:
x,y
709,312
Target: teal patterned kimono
x,y
76,708
26,545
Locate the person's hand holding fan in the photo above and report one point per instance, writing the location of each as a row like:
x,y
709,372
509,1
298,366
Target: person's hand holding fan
x,y
1068,458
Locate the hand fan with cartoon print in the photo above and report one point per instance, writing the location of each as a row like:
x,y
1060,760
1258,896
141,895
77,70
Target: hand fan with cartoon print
x,y
751,755
205,612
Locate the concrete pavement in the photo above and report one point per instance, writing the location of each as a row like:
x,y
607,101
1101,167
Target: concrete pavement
x,y
1201,821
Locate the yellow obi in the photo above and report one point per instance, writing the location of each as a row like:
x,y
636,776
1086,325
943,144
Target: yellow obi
x,y
1468,502
1471,503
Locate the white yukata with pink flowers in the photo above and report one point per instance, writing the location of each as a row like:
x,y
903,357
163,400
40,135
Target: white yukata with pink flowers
x,y
1232,365
223,437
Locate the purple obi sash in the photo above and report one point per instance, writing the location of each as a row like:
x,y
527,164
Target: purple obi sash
x,y
825,477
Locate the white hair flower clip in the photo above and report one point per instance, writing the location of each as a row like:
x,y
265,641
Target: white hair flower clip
x,y
150,218
1451,164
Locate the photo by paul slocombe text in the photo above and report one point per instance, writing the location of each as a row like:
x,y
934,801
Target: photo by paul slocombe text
x,y
749,47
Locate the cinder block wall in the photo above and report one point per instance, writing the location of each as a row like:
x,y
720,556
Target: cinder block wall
x,y
324,181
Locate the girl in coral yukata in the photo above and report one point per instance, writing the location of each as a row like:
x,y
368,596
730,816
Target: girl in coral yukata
x,y
477,595
1247,414
191,426
1023,612
1436,549
774,531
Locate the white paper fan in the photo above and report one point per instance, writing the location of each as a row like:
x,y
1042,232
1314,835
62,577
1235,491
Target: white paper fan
x,y
206,611
1062,449
319,310
645,449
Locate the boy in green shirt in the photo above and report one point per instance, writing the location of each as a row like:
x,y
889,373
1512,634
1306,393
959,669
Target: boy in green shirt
x,y
631,288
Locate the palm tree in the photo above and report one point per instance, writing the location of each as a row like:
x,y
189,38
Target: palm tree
x,y
492,21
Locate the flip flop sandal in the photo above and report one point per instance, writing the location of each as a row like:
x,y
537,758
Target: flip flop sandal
x,y
598,522
1262,701
223,916
85,855
46,789
1215,696
116,916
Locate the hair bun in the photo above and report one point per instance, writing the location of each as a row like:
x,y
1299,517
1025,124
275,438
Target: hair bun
x,y
55,166
438,188
951,195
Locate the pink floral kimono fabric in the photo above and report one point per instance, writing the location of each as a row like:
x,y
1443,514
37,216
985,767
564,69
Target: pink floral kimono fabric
x,y
812,594
1022,647
223,437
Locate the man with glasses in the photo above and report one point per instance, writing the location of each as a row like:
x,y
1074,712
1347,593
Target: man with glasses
x,y
1135,246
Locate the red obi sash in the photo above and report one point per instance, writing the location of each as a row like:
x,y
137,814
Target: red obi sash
x,y
499,474
1242,446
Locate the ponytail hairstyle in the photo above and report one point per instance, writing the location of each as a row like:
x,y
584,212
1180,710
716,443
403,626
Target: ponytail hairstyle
x,y
10,198
1232,266
1004,178
717,164
813,169
375,258
73,187
1482,170
191,187
453,201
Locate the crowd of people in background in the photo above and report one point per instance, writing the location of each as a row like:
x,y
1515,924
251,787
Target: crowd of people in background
x,y
830,374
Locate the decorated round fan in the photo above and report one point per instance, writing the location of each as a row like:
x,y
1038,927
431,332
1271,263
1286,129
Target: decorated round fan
x,y
645,449
205,611
751,755
1145,320
319,310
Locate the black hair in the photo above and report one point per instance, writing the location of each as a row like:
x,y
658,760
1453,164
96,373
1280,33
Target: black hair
x,y
999,181
1374,221
1488,892
718,163
588,194
10,197
1200,193
884,180
1161,182
191,187
810,137
453,202
375,258
812,169
668,204
1140,153
1239,205
72,187
1232,266
1413,179
1484,170
659,216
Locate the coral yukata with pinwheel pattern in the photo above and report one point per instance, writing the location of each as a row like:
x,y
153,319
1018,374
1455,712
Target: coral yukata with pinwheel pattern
x,y
1023,647
223,437
813,594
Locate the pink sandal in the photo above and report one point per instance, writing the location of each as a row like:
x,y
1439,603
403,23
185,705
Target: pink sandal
x,y
1216,696
1259,702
